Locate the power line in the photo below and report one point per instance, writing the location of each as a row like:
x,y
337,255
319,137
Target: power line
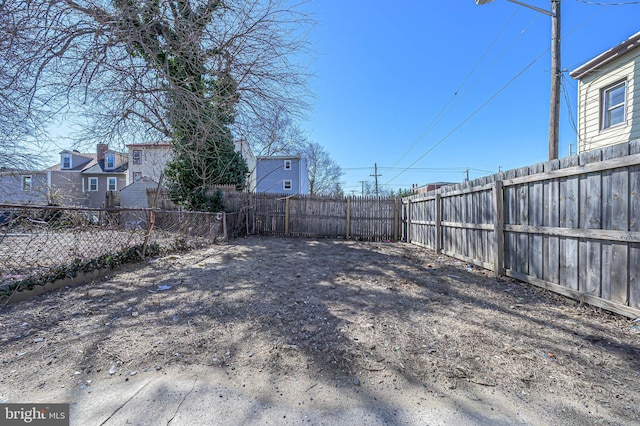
x,y
572,121
473,113
487,102
423,169
445,109
597,3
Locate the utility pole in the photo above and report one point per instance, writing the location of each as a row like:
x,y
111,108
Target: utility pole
x,y
556,75
362,182
467,175
556,71
375,174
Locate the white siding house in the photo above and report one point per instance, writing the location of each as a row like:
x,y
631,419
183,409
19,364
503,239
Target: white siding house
x,y
148,160
609,97
244,149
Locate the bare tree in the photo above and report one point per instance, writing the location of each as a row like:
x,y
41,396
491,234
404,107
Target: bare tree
x,y
324,172
145,70
17,123
277,135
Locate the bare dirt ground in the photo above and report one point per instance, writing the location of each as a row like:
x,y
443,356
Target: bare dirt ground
x,y
367,318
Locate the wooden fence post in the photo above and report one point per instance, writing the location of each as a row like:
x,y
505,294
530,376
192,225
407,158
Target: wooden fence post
x,y
409,220
348,217
498,228
286,216
396,216
438,218
224,226
147,235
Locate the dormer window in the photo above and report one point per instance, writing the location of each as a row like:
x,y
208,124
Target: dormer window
x,y
66,161
110,161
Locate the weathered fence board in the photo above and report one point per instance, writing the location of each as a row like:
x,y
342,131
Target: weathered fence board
x,y
552,202
536,218
634,226
368,218
568,246
569,225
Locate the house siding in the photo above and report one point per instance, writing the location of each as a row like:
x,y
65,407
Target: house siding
x,y
270,175
244,149
11,188
590,134
154,160
66,188
135,195
97,198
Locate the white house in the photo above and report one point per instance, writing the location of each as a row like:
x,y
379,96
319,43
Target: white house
x,y
148,160
609,96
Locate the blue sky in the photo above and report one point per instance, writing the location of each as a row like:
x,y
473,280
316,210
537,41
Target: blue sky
x,y
422,87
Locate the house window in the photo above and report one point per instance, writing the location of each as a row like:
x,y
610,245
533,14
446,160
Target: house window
x,y
93,184
110,161
137,176
287,164
613,104
286,185
26,183
137,157
112,184
66,161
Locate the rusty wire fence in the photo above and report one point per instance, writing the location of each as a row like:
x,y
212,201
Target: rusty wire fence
x,y
42,244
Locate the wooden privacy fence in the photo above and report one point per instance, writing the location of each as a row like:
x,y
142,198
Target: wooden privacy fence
x,y
366,218
570,225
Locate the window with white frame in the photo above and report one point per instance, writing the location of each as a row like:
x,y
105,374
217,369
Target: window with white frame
x,y
110,161
137,176
26,183
112,184
286,185
613,103
287,164
93,184
137,157
66,161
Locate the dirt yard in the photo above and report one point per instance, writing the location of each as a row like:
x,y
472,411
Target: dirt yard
x,y
362,317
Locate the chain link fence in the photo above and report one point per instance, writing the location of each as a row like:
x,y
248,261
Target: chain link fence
x,y
42,244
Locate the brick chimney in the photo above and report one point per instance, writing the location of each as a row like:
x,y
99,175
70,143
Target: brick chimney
x,y
102,148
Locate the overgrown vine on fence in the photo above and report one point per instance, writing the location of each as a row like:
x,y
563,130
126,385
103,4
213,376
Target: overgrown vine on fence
x,y
129,255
